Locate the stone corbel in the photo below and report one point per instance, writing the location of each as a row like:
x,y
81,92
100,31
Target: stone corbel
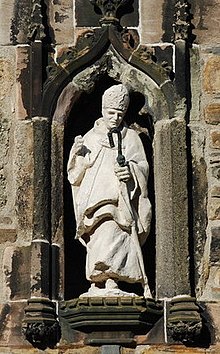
x,y
40,326
184,322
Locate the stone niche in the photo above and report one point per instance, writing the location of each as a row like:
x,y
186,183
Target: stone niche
x,y
81,118
94,316
88,86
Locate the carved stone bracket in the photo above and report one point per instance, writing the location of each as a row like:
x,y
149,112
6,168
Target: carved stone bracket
x,y
104,318
184,323
182,26
112,10
40,326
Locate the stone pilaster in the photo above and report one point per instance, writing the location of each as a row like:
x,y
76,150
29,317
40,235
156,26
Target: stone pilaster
x,y
172,254
40,325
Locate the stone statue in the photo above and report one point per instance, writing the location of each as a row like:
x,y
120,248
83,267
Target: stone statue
x,y
108,173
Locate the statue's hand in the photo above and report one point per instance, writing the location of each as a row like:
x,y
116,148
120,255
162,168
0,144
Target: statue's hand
x,y
123,173
78,144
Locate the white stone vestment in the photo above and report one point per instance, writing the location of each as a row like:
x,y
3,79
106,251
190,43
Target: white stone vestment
x,y
113,217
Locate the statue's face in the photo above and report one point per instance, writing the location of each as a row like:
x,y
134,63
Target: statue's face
x,y
112,117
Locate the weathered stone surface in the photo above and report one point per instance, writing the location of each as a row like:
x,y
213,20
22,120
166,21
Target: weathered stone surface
x,y
216,172
85,349
214,311
24,173
215,139
4,146
16,273
214,209
40,269
111,349
212,113
212,286
23,82
56,181
215,245
171,208
211,74
206,16
151,21
215,192
7,81
175,349
6,71
199,194
195,84
8,235
144,349
41,219
27,350
198,175
11,317
19,24
6,15
61,15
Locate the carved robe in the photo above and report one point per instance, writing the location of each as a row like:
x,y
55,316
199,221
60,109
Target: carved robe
x,y
113,217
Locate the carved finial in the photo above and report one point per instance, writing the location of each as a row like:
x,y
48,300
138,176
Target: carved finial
x,y
112,10
36,28
182,26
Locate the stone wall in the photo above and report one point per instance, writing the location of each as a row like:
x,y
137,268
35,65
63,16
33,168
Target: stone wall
x,y
20,93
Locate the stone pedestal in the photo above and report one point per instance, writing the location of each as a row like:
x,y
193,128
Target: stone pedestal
x,y
109,320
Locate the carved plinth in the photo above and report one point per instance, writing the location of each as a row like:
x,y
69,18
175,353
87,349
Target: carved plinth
x,y
184,323
40,326
108,320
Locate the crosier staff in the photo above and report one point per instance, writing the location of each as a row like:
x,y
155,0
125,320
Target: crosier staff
x,y
124,192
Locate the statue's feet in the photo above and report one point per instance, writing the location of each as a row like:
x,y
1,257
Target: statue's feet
x,y
111,289
111,284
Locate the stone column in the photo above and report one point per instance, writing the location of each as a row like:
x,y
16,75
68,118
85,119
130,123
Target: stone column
x,y
41,281
41,327
182,316
172,254
57,209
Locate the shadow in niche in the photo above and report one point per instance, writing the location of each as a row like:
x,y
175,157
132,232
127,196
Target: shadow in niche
x,y
81,119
